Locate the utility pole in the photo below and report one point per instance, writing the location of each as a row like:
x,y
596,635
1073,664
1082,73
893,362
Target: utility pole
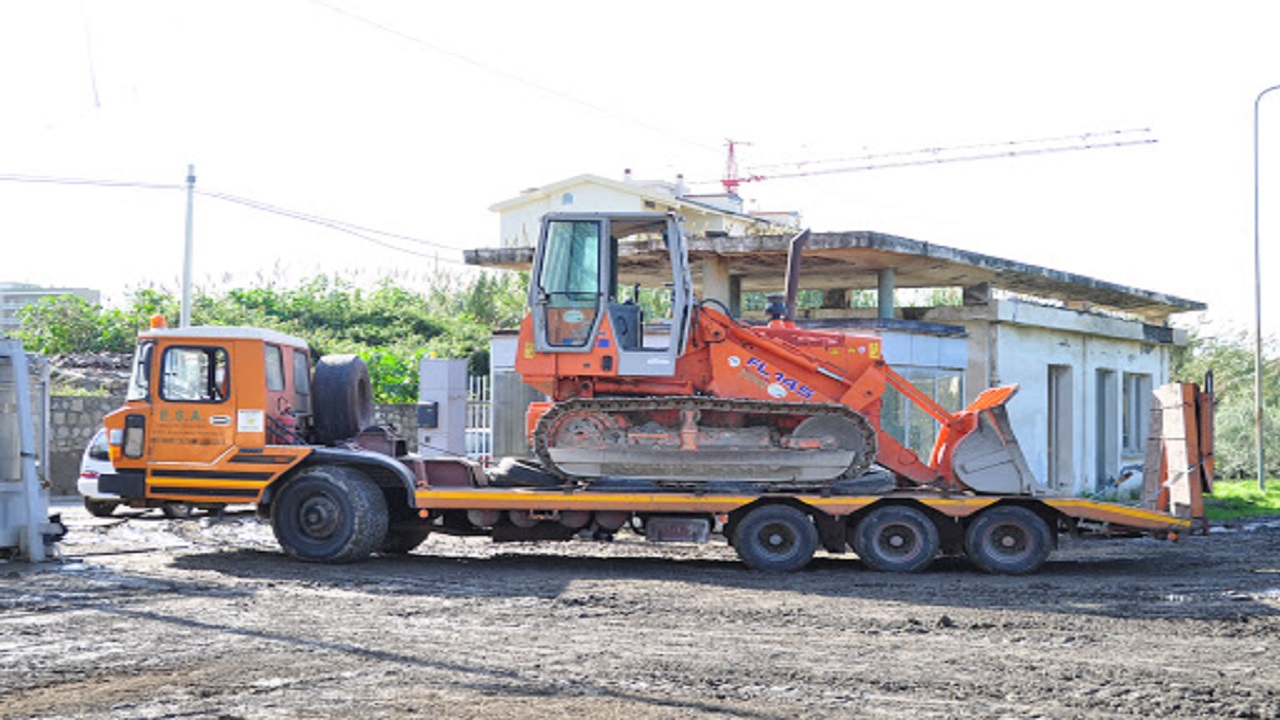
x,y
185,320
1259,418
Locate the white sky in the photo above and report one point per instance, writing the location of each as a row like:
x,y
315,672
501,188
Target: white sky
x,y
417,126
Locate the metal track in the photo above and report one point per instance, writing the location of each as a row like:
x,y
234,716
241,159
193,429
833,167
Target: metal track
x,y
769,467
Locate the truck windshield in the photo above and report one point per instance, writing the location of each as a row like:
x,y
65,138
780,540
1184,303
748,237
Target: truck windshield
x,y
139,376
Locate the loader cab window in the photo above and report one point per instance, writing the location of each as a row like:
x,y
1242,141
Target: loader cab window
x,y
568,287
642,303
195,374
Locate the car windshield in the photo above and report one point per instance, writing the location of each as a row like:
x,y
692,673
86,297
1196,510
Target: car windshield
x,y
98,449
140,376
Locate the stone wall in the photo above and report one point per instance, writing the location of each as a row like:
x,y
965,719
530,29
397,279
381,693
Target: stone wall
x,y
73,420
403,417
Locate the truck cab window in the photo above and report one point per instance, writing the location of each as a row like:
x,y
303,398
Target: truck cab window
x,y
275,368
301,382
140,374
195,374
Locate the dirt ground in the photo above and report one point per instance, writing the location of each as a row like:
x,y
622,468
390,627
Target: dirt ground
x,y
151,618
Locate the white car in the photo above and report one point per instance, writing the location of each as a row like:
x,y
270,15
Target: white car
x,y
96,461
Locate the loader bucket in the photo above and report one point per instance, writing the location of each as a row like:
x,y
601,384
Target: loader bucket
x,y
987,458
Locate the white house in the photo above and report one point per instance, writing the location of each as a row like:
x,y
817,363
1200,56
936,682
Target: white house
x,y
716,214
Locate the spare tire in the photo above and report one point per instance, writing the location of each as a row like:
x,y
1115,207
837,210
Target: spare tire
x,y
343,397
512,472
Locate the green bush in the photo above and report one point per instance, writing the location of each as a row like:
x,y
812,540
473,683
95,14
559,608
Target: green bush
x,y
392,327
1231,359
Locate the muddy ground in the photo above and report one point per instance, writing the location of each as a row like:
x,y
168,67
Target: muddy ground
x,y
150,618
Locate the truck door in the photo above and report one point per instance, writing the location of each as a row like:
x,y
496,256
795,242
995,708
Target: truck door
x,y
192,414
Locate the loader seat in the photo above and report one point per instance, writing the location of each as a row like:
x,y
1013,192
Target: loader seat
x,y
626,319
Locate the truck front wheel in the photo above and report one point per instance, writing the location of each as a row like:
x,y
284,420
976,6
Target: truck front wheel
x,y
330,514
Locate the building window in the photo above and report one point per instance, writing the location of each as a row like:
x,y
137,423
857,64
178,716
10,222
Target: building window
x,y
566,199
912,426
1137,409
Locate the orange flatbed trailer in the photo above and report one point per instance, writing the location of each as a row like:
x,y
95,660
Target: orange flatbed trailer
x,y
1122,517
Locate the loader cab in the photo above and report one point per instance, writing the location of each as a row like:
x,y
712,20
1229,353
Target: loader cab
x,y
582,305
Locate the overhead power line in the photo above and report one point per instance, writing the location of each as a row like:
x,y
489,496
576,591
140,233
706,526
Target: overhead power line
x,y
339,225
360,231
630,119
52,180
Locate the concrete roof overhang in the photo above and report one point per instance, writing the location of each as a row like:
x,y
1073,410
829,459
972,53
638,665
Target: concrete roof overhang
x,y
852,260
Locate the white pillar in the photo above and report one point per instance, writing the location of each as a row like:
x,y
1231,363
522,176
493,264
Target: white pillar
x,y
444,383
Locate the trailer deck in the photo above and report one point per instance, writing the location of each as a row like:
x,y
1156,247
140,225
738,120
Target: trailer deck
x,y
957,506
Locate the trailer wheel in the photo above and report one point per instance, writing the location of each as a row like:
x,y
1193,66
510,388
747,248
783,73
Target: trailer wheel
x,y
343,397
330,514
896,538
178,510
1008,540
402,541
775,538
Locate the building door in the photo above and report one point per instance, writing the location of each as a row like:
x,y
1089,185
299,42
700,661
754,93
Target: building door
x,y
1106,427
1061,471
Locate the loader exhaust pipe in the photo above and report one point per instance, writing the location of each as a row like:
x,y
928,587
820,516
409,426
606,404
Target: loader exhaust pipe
x,y
793,272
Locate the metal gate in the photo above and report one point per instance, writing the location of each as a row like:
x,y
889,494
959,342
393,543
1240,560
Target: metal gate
x,y
479,419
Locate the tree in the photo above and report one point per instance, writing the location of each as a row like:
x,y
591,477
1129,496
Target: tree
x,y
392,327
1231,359
67,323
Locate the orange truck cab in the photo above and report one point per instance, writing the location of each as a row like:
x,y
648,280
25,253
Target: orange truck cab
x,y
220,415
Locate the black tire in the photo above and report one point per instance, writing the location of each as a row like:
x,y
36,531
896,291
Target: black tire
x,y
512,472
402,541
775,538
343,397
896,538
1008,540
100,508
178,510
330,514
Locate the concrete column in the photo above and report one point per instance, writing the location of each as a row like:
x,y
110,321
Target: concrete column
x,y
444,382
884,293
735,296
715,278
